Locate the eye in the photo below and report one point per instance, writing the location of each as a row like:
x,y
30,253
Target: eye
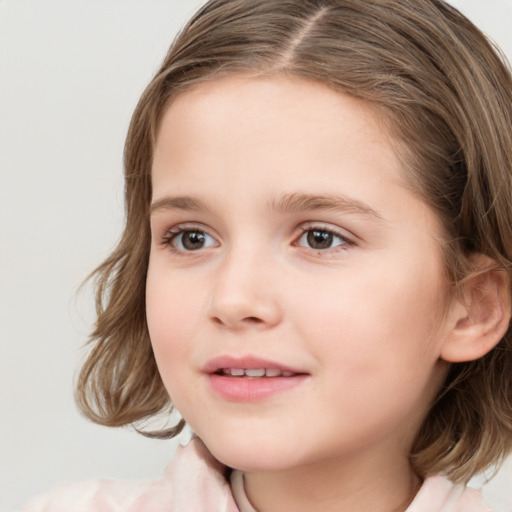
x,y
189,240
321,239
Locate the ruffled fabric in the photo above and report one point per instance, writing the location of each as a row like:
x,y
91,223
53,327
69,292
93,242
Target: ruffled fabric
x,y
193,482
196,482
438,494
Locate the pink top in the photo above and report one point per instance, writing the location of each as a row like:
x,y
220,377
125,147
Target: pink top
x,y
195,482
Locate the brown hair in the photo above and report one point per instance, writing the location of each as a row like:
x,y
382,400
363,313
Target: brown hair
x,y
447,96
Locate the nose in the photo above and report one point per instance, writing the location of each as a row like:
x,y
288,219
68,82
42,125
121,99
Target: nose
x,y
245,294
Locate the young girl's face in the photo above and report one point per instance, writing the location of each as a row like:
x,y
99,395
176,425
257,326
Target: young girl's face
x,y
286,242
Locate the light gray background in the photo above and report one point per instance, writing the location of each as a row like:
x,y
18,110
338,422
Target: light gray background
x,y
71,72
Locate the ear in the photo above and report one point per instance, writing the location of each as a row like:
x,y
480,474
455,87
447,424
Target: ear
x,y
480,315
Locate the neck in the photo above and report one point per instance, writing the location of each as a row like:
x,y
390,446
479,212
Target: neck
x,y
333,485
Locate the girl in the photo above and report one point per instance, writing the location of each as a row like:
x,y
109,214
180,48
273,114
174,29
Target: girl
x,y
315,264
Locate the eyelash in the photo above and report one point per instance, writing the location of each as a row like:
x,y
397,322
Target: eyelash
x,y
172,234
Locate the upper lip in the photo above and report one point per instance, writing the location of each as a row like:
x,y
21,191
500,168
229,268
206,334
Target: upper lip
x,y
247,363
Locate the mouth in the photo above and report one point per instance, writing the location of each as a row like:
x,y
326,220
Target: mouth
x,y
251,379
254,373
250,367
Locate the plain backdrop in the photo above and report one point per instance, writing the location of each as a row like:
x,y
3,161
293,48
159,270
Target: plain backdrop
x,y
71,72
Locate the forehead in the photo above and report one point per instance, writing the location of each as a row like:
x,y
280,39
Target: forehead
x,y
241,95
247,142
270,121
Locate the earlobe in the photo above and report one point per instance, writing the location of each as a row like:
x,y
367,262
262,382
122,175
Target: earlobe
x,y
481,316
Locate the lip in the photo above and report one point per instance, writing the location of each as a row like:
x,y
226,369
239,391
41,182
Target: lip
x,y
246,362
244,389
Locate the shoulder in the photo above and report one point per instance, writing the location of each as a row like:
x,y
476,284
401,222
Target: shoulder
x,y
194,480
440,494
94,496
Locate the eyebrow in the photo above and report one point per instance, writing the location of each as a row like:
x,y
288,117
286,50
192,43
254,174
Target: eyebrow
x,y
185,203
290,203
294,203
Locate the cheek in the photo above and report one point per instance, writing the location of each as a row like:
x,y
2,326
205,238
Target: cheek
x,y
170,316
170,324
376,317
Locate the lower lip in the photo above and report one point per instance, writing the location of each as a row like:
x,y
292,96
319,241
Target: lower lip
x,y
244,389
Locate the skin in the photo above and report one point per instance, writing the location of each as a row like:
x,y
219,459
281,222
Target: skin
x,y
364,318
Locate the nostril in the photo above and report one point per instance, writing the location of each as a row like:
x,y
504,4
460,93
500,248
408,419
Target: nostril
x,y
253,320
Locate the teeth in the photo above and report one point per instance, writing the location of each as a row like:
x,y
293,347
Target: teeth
x,y
256,372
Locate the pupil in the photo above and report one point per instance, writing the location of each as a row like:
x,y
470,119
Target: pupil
x,y
193,240
319,239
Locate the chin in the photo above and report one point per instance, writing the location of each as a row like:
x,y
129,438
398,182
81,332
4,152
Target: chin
x,y
249,454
